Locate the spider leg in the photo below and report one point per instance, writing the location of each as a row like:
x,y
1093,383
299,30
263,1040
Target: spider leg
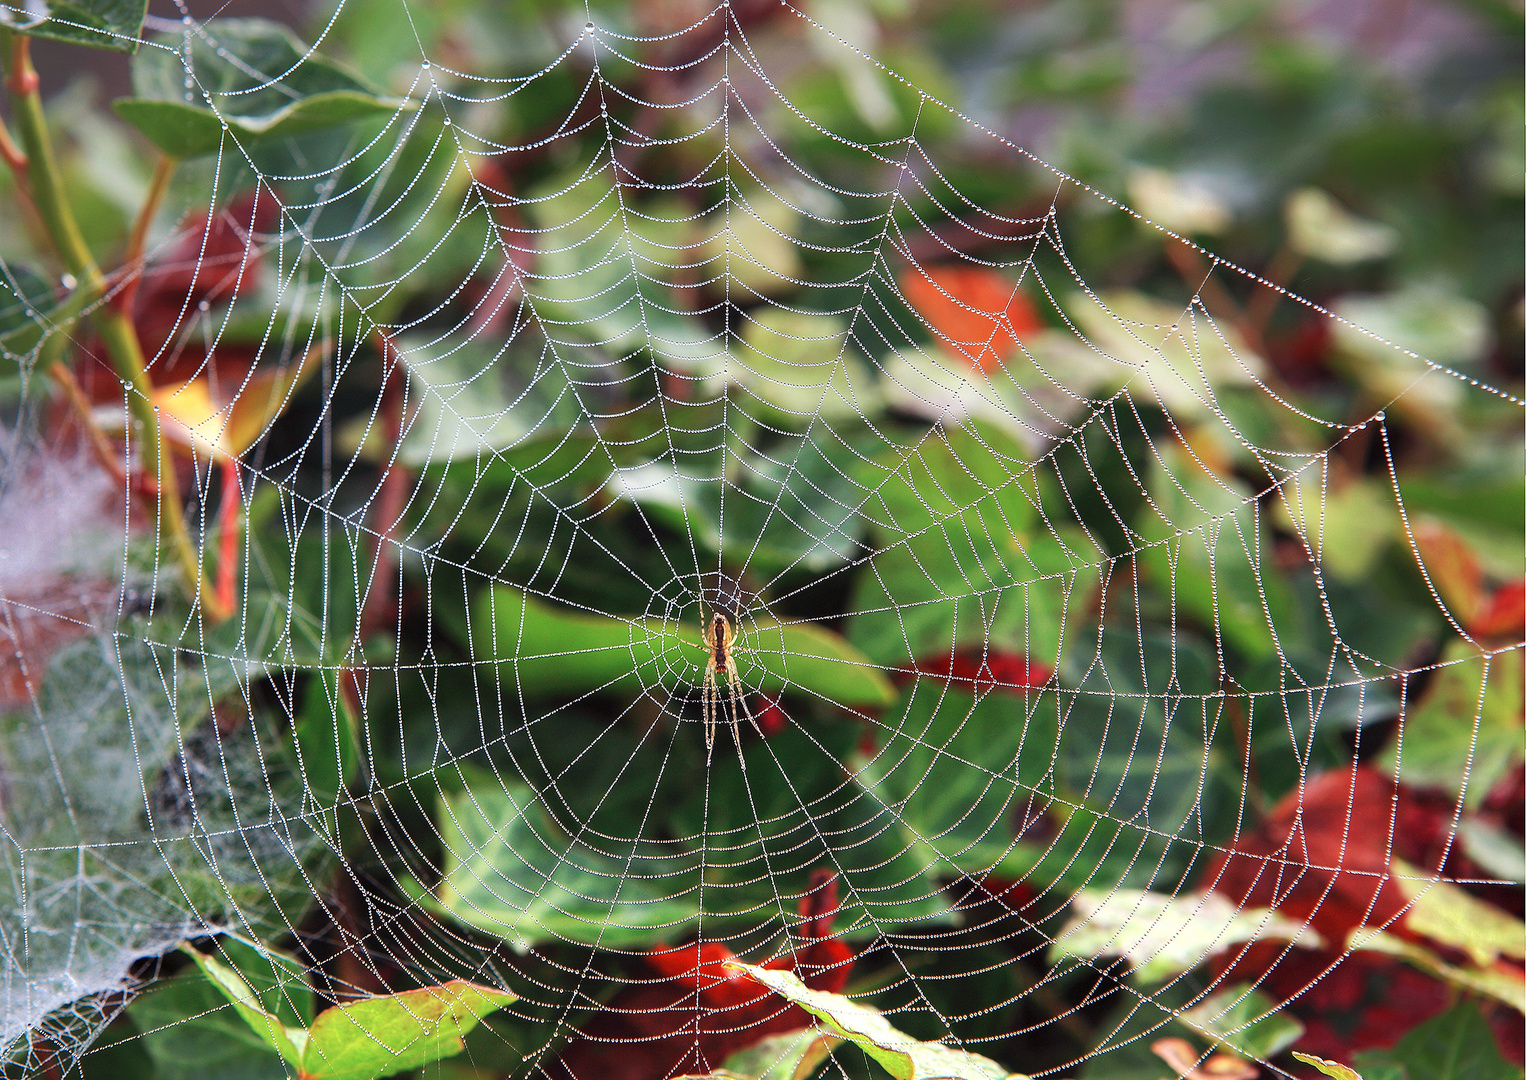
x,y
710,700
739,700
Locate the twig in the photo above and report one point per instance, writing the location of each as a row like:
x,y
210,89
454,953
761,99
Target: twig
x,y
390,496
64,377
164,168
115,328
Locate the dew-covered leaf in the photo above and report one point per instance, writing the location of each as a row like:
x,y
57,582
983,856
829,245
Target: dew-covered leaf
x,y
380,1036
510,869
122,794
1502,982
1330,1068
904,1057
1162,935
100,24
254,80
551,651
789,1055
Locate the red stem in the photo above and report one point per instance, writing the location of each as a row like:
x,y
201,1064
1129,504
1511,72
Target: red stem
x,y
232,531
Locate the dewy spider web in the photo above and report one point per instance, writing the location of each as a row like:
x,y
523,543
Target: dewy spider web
x,y
1004,593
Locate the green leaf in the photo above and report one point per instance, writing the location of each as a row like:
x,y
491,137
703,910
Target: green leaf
x,y
1494,848
1452,916
1457,1045
1163,935
24,294
1245,1022
790,1055
286,1041
1162,352
192,1032
511,870
255,80
278,979
380,1036
803,657
1206,547
365,1039
1346,528
889,878
1438,323
964,558
1467,727
473,400
800,364
550,651
960,769
1329,1068
902,1056
1321,228
1499,981
748,242
100,24
327,734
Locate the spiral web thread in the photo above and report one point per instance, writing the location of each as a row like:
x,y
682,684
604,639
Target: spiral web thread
x,y
791,446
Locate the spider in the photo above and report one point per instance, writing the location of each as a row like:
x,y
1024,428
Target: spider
x,y
720,658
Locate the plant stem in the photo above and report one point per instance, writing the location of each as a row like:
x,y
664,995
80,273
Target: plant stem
x,y
164,168
64,377
112,323
11,153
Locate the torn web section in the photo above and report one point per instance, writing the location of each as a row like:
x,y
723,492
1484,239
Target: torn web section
x,y
122,783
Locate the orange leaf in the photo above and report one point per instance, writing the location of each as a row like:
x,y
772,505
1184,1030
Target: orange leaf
x,y
226,429
1452,566
979,312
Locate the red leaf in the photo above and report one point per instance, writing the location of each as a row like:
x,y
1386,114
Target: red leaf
x,y
771,718
699,1013
981,670
1324,855
1502,614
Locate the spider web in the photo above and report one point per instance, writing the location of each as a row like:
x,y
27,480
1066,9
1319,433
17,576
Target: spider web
x,y
1025,590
